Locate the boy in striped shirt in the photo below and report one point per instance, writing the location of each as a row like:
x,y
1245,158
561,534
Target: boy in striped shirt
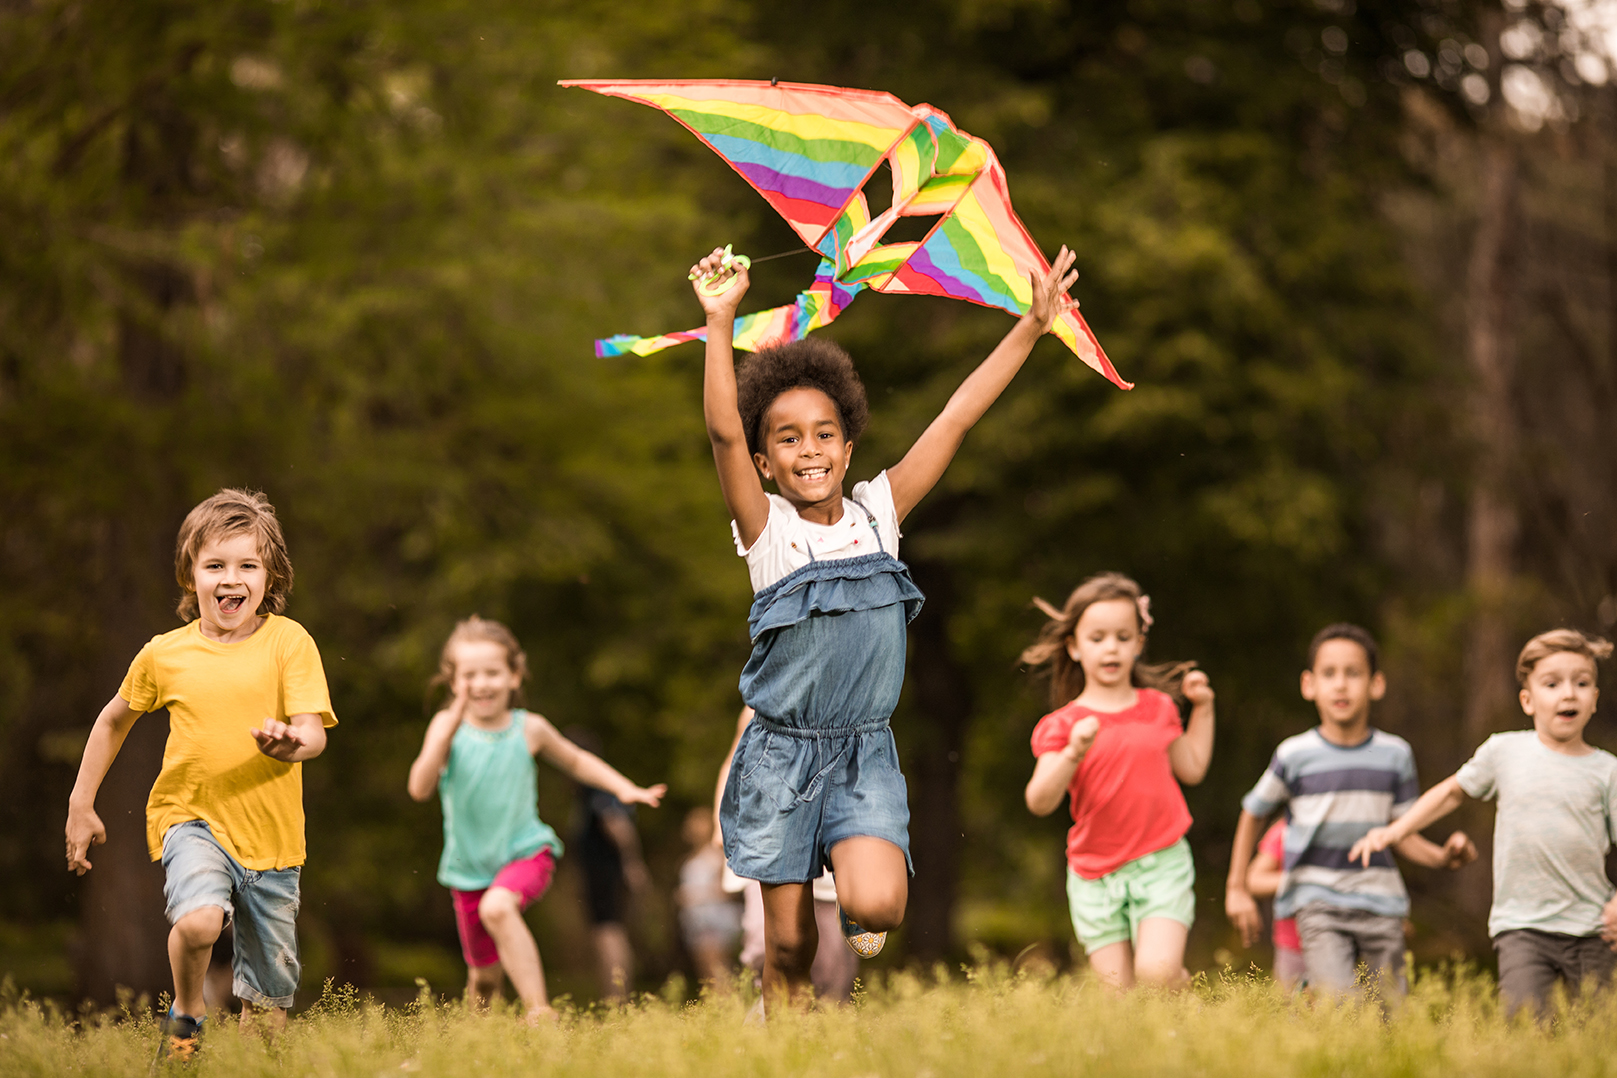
x,y
1338,780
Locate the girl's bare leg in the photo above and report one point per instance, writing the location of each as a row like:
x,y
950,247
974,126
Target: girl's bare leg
x,y
500,911
1159,953
873,882
1114,965
790,937
616,958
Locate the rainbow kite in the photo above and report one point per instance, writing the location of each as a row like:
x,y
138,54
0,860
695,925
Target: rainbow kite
x,y
809,150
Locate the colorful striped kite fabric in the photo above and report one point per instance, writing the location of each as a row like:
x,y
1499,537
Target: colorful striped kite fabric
x,y
810,150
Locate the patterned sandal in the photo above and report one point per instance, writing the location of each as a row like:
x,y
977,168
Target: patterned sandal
x,y
862,943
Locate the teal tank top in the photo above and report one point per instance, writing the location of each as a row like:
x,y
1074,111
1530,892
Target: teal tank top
x,y
490,793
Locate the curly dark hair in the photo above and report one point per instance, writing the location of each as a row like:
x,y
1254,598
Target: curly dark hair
x,y
814,363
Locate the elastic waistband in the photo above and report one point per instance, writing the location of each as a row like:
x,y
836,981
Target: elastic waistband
x,y
821,733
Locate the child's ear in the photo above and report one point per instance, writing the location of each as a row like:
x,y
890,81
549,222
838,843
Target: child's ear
x,y
762,463
1378,685
1526,699
1308,685
1072,647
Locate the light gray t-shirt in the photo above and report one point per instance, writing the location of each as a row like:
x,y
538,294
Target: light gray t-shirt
x,y
1554,825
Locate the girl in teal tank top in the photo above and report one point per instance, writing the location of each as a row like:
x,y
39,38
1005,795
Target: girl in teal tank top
x,y
498,855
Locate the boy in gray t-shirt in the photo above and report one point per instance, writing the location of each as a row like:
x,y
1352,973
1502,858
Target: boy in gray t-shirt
x,y
1554,915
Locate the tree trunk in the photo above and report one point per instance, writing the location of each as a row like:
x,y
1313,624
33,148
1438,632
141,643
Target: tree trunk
x,y
943,710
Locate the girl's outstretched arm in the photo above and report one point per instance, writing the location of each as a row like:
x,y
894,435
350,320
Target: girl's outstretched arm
x,y
929,457
587,768
738,478
1192,752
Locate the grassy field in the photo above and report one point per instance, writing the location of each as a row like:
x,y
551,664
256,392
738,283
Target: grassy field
x,y
909,1027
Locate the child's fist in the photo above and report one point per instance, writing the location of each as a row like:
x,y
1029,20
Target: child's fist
x,y
1608,922
1082,736
84,829
1459,850
1242,910
1197,687
714,266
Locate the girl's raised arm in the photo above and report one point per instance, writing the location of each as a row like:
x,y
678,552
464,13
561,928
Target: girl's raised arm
x,y
434,755
585,767
929,457
738,478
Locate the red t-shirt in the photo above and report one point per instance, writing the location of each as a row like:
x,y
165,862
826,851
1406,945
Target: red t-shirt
x,y
1273,843
1125,801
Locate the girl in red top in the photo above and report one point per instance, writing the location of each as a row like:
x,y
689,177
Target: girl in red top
x,y
1115,746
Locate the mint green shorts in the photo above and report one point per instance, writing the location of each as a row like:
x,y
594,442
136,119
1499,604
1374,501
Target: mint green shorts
x,y
1109,910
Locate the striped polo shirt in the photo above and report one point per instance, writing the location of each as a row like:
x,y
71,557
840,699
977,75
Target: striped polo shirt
x,y
1334,794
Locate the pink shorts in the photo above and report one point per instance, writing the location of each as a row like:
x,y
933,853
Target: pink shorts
x,y
528,878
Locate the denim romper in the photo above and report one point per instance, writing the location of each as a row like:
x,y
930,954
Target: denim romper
x,y
818,764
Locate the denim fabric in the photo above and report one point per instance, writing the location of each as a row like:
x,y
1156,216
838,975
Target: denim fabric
x,y
819,765
197,873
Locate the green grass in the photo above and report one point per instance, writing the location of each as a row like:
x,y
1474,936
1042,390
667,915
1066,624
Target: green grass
x,y
993,1023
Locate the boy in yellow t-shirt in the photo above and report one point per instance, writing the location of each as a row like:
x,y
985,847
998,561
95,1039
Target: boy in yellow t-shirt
x,y
247,703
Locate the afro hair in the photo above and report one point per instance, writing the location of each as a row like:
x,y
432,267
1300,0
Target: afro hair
x,y
813,363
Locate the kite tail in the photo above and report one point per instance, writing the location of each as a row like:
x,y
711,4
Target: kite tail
x,y
817,307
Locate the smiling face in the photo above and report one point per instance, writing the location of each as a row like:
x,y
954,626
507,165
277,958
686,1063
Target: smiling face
x,y
484,676
802,447
230,580
1106,642
1342,686
1560,695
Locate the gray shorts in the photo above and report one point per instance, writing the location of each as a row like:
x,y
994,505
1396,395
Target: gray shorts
x,y
1531,962
1337,941
198,873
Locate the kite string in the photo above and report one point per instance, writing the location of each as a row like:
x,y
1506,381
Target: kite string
x,y
784,254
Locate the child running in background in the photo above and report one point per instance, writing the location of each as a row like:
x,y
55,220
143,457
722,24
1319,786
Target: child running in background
x,y
1263,879
1338,782
815,781
247,704
1114,747
498,856
1554,915
709,918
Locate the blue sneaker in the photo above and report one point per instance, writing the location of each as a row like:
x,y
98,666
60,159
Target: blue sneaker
x,y
181,1036
862,943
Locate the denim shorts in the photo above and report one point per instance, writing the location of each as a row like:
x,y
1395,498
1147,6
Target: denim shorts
x,y
198,873
1109,910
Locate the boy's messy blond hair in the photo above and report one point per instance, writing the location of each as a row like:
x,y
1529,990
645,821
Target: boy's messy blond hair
x,y
233,512
1542,646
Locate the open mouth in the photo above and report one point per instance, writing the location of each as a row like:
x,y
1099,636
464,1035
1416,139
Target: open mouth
x,y
232,603
813,475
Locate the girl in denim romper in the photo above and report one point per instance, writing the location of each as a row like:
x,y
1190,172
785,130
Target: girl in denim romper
x,y
815,779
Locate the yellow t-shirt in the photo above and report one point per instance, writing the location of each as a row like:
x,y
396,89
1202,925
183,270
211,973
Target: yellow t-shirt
x,y
212,770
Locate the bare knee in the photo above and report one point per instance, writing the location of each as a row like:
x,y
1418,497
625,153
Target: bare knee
x,y
201,928
498,908
878,907
791,951
1161,973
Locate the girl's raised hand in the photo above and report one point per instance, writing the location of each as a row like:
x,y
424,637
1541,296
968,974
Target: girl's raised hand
x,y
1050,300
726,302
1198,689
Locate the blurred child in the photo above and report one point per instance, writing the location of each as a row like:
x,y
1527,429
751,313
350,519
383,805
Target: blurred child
x,y
607,844
1338,781
708,917
247,704
1114,747
816,782
1263,879
1554,915
498,856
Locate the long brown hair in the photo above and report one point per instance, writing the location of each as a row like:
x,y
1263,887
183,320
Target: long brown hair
x,y
1066,674
474,629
